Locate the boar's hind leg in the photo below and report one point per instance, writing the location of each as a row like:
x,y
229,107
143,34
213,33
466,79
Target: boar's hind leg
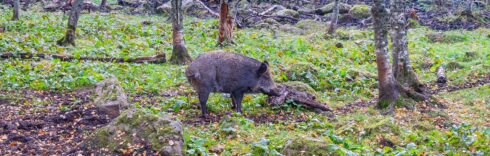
x,y
203,98
233,102
236,98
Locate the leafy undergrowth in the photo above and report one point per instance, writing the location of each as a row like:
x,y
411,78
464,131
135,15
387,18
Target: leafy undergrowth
x,y
452,123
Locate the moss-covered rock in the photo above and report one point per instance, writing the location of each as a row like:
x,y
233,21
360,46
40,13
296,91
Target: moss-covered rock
x,y
360,11
343,8
286,12
305,10
300,86
311,26
445,38
111,98
137,127
356,73
383,126
304,72
306,146
267,23
291,29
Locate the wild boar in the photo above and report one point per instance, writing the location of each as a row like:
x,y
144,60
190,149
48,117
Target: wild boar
x,y
232,73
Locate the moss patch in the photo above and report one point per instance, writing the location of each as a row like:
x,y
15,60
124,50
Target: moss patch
x,y
137,127
446,38
360,11
306,146
301,86
311,26
304,72
343,8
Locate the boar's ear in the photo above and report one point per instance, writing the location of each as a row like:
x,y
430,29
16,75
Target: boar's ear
x,y
262,69
267,63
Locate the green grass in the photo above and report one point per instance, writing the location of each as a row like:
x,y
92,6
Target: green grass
x,y
122,35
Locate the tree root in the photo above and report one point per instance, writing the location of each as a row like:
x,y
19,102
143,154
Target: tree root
x,y
303,98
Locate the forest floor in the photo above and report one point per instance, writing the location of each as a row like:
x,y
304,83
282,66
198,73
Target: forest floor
x,y
47,104
47,123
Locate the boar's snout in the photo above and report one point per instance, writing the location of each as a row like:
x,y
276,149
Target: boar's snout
x,y
271,92
266,84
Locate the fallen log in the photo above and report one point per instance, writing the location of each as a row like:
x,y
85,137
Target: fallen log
x,y
156,59
207,8
280,7
130,4
303,98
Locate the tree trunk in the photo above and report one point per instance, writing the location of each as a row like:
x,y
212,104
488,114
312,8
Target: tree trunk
x,y
468,10
15,17
441,76
335,18
72,24
225,24
387,85
402,69
103,3
179,52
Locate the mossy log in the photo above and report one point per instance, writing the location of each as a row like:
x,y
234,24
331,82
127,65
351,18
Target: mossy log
x,y
303,98
160,58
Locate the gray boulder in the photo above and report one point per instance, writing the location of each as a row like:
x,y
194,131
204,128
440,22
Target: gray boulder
x,y
111,98
137,128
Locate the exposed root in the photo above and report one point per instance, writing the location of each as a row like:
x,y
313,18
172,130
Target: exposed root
x,y
303,98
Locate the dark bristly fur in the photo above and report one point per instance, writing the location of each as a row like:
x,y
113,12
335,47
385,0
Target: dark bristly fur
x,y
231,73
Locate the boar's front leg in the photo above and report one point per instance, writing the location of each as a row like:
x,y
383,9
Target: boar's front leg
x,y
236,98
203,98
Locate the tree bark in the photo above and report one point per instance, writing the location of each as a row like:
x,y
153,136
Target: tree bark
x,y
225,24
402,69
179,51
335,18
72,24
103,3
16,5
441,75
387,85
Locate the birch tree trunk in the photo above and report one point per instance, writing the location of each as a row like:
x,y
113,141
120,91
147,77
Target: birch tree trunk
x,y
15,17
225,24
402,69
387,85
72,25
179,51
335,18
